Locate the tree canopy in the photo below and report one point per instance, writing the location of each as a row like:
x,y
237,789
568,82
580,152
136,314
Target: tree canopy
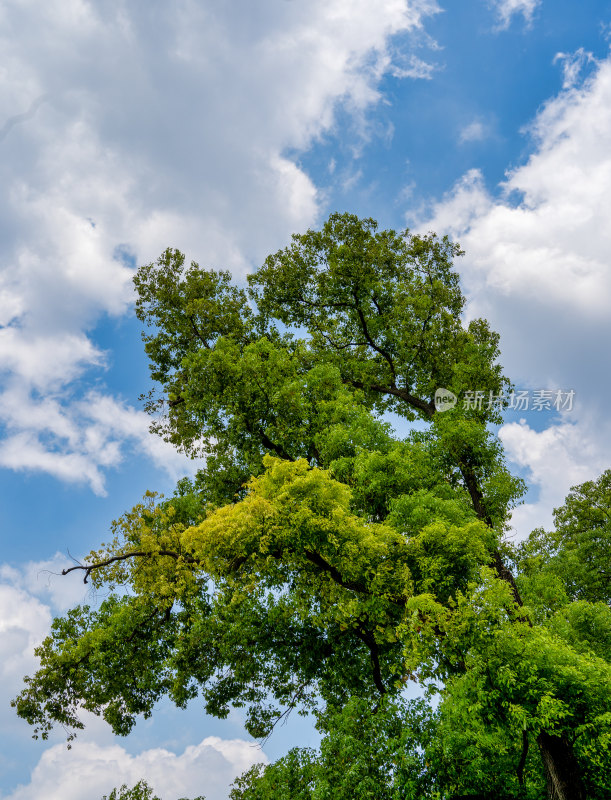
x,y
322,561
141,791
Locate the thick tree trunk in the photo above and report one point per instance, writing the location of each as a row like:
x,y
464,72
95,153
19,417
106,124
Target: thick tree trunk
x,y
561,768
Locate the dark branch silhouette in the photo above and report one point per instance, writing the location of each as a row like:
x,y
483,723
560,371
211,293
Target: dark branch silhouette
x,y
88,568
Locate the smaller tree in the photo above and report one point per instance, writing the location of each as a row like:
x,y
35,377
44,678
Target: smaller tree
x,y
578,552
564,576
362,755
141,791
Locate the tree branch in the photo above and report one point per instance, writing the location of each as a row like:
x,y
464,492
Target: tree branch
x,y
385,355
319,561
475,493
266,441
285,714
402,394
197,333
522,761
469,477
368,639
88,568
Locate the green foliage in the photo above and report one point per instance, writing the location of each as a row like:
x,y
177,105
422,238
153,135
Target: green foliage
x,y
384,307
141,791
320,562
519,681
363,755
578,552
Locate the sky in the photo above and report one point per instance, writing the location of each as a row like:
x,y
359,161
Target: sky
x,y
221,128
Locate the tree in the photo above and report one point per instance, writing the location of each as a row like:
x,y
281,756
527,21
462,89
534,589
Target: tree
x,y
362,755
578,551
319,561
141,791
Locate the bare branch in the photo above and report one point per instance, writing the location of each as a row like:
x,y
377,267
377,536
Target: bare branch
x,y
88,568
283,717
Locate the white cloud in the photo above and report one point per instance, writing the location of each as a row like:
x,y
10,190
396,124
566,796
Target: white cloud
x,y
89,770
43,579
507,9
78,440
553,245
461,207
414,68
573,65
24,622
130,129
537,266
557,458
475,131
94,765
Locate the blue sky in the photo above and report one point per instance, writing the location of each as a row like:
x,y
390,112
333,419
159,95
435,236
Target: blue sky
x,y
221,129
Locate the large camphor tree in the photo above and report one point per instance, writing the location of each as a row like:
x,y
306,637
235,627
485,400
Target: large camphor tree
x,y
322,562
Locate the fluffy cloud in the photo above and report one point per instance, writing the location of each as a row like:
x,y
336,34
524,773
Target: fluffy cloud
x,y
507,9
555,459
89,770
130,129
75,442
549,250
24,622
537,266
94,765
42,580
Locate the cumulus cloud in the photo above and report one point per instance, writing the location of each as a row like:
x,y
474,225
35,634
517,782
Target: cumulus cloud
x,y
76,441
44,581
127,130
552,245
537,266
555,459
507,9
89,770
24,622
